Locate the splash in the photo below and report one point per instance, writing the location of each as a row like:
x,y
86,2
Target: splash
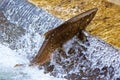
x,y
20,39
8,71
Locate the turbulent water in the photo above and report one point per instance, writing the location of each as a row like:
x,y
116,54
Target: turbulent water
x,y
21,29
8,71
22,26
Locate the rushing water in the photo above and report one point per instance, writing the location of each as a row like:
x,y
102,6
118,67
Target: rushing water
x,y
8,71
21,29
22,26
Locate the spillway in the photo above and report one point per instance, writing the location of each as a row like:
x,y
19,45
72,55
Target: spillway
x,y
22,28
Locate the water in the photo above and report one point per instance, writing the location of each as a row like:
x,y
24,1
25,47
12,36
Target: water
x,y
8,71
89,60
22,26
21,38
31,21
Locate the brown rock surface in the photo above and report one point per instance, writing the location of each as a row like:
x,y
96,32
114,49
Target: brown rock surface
x,y
106,24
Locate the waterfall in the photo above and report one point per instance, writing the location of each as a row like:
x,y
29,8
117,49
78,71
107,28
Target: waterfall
x,y
22,26
32,20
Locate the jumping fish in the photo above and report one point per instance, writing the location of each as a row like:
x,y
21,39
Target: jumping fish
x,y
61,34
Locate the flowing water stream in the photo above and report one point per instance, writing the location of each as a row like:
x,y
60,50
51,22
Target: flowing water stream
x,y
22,26
21,29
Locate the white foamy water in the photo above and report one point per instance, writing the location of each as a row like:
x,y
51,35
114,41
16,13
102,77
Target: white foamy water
x,y
8,71
29,22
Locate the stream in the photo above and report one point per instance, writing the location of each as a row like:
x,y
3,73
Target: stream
x,y
22,28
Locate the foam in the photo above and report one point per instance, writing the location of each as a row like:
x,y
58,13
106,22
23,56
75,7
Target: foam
x,y
8,71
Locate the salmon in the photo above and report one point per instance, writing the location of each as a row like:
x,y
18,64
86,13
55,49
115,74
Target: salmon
x,y
61,34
